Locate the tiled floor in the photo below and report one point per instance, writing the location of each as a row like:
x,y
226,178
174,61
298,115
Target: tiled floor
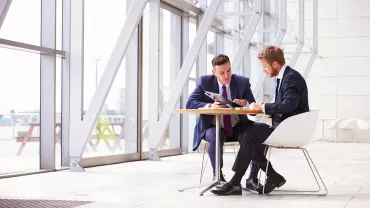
x,y
344,167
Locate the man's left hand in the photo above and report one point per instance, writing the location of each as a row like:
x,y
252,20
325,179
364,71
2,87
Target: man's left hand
x,y
256,106
240,102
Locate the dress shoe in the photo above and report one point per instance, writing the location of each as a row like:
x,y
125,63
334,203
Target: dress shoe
x,y
228,189
252,184
272,182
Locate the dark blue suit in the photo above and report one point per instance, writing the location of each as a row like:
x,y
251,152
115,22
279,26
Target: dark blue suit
x,y
290,100
239,89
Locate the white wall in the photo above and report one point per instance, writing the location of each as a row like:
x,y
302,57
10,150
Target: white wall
x,y
339,82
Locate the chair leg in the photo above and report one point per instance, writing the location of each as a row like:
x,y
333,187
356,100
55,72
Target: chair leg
x,y
354,135
234,150
203,166
314,172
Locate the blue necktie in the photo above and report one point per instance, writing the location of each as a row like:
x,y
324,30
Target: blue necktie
x,y
227,119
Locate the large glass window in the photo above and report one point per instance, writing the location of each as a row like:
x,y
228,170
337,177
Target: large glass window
x,y
211,50
19,111
192,83
116,129
23,22
170,63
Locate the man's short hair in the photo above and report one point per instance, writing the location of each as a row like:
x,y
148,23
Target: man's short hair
x,y
219,60
271,54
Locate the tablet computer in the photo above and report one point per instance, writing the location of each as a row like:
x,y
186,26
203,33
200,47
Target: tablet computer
x,y
222,99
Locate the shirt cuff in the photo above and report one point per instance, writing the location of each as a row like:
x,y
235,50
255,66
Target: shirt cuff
x,y
263,108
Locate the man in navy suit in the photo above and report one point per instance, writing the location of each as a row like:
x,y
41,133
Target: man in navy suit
x,y
291,98
235,88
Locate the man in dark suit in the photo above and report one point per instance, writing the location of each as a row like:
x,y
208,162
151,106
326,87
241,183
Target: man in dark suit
x,y
235,88
291,99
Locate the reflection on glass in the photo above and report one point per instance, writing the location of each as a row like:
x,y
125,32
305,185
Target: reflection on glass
x,y
211,52
170,57
191,85
116,129
23,22
192,33
19,111
58,113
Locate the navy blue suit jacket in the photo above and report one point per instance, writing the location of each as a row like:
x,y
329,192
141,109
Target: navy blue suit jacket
x,y
292,98
239,89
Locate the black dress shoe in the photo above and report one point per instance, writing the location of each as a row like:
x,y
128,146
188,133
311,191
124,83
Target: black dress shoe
x,y
228,189
252,184
272,182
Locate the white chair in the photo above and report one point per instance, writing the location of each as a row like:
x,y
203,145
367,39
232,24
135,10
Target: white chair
x,y
350,125
362,125
294,133
328,124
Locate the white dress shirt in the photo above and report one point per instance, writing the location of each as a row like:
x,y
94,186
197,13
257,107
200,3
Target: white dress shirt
x,y
279,76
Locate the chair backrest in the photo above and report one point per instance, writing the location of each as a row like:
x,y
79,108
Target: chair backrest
x,y
347,124
331,124
295,131
362,124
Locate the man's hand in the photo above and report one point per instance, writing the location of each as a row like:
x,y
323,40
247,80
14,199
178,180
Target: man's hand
x,y
240,102
217,104
256,106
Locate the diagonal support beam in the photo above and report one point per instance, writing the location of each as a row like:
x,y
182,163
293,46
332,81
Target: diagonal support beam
x,y
314,39
279,38
183,75
81,130
4,8
300,40
248,34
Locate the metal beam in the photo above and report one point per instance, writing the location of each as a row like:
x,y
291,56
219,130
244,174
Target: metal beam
x,y
184,117
76,60
202,55
248,34
154,62
279,38
314,39
246,63
300,40
81,130
184,6
175,65
235,13
66,25
47,101
131,91
30,48
4,8
220,36
235,31
183,76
